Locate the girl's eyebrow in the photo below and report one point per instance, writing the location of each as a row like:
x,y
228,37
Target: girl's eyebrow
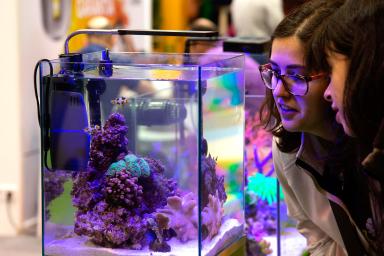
x,y
295,66
290,66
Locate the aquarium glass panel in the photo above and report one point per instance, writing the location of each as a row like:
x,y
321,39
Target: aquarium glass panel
x,y
269,230
222,176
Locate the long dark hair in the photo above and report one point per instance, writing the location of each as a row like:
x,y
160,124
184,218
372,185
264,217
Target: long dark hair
x,y
357,32
303,23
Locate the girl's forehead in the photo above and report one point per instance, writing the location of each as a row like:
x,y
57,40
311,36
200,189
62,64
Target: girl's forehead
x,y
286,51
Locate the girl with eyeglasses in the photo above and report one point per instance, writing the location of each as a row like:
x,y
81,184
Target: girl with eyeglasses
x,y
309,149
350,46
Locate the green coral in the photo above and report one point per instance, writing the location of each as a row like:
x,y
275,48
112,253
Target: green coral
x,y
136,166
132,165
130,158
264,187
144,166
116,167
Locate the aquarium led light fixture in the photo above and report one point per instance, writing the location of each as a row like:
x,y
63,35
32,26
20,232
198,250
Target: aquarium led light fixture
x,y
149,32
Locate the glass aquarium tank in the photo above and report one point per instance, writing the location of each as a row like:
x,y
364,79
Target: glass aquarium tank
x,y
142,154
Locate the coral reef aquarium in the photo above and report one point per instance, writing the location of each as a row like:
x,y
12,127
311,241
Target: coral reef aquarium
x,y
142,154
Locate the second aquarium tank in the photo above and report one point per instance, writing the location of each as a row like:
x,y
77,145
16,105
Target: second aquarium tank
x,y
142,154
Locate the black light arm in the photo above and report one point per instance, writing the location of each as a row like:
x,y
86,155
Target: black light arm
x,y
123,32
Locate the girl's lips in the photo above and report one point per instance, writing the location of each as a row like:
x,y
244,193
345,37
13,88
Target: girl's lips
x,y
338,117
286,112
286,109
337,113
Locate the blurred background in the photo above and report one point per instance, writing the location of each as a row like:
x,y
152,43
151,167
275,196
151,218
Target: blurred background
x,y
36,29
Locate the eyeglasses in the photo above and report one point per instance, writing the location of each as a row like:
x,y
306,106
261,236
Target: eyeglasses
x,y
295,84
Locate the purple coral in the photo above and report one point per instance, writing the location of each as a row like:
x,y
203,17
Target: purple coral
x,y
123,189
211,216
212,182
182,215
108,143
156,188
86,189
260,222
112,206
53,186
111,226
260,219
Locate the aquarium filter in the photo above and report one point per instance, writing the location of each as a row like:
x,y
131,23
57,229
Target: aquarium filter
x,y
69,143
66,140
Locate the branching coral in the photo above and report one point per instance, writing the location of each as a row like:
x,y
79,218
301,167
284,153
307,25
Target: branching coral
x,y
108,143
258,145
159,244
162,221
212,215
122,189
212,182
182,215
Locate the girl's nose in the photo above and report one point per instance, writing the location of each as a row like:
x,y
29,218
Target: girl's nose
x,y
280,90
327,94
